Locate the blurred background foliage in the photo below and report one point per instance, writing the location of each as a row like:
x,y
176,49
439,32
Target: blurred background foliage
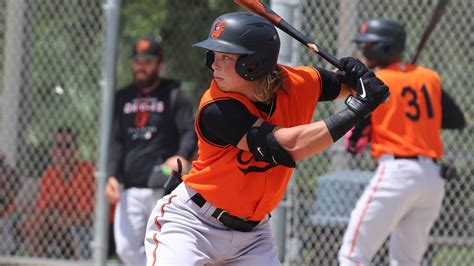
x,y
55,86
178,25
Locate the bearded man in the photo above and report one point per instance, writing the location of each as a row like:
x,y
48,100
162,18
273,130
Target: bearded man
x,y
153,127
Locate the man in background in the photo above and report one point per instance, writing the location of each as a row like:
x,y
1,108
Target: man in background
x,y
153,127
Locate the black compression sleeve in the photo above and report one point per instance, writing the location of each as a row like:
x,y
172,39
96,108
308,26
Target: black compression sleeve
x,y
340,123
225,122
331,86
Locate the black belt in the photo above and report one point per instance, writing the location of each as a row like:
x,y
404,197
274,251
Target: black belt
x,y
225,218
410,157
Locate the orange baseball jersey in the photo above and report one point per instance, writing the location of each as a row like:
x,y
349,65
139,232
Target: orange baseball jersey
x,y
409,123
230,178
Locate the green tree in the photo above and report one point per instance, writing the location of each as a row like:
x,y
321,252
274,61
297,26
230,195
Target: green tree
x,y
62,73
178,24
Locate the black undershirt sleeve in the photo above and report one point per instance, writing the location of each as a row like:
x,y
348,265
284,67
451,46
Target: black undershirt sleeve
x,y
116,143
331,86
452,117
225,122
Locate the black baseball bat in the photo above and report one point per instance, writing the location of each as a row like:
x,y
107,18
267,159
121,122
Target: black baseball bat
x,y
434,19
259,8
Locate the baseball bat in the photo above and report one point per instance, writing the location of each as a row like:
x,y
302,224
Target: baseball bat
x,y
434,19
259,8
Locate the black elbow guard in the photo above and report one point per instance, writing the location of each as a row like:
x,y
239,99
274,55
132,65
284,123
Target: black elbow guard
x,y
265,147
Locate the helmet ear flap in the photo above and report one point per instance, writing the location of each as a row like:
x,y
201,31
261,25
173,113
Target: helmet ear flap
x,y
209,58
254,66
244,67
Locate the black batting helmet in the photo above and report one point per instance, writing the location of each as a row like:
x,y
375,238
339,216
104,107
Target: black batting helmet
x,y
251,36
388,38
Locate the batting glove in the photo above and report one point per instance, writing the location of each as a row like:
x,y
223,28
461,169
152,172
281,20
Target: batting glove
x,y
371,92
353,70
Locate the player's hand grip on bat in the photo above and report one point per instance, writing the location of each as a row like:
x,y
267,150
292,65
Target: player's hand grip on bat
x,y
352,70
371,92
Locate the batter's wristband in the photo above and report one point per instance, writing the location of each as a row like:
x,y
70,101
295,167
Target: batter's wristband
x,y
338,124
358,106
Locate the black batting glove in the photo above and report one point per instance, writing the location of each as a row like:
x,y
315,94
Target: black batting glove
x,y
174,180
353,69
371,92
448,171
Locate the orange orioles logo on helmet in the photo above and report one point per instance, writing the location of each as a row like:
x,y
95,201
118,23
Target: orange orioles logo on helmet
x,y
142,46
218,29
363,27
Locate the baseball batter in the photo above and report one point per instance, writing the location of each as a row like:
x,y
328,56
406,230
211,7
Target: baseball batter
x,y
404,196
253,124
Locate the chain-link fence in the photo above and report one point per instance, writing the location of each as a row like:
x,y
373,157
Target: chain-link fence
x,y
327,186
50,90
50,95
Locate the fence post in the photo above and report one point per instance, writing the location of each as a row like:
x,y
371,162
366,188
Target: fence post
x,y
112,12
348,16
287,10
14,83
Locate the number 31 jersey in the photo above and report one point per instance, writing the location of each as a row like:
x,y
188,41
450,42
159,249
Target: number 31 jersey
x,y
409,123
